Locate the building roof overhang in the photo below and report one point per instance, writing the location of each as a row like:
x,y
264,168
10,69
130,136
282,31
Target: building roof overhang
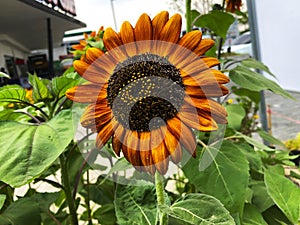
x,y
26,22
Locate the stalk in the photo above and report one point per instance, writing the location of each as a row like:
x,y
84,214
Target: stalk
x,y
159,185
67,190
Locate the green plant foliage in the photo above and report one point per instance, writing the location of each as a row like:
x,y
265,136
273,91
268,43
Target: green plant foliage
x,y
252,216
135,204
4,75
217,21
190,210
12,93
254,81
261,199
105,214
285,194
236,114
20,211
2,200
40,144
40,89
228,164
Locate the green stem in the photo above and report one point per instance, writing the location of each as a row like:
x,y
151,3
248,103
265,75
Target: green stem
x,y
188,15
67,189
160,194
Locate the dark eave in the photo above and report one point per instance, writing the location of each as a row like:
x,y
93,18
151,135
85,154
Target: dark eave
x,y
25,21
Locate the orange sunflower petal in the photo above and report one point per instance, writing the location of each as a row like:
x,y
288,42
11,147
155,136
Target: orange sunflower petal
x,y
206,91
204,46
143,33
158,23
95,115
172,29
145,152
160,158
127,36
93,53
87,93
113,44
183,133
191,40
104,134
117,145
173,146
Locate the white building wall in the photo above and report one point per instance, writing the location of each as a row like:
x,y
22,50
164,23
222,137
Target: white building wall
x,y
278,27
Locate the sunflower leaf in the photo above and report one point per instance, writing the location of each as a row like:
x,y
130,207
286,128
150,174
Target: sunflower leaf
x,y
284,193
12,93
236,114
252,216
135,204
261,199
20,211
251,80
191,210
252,63
217,21
30,149
61,84
40,89
219,169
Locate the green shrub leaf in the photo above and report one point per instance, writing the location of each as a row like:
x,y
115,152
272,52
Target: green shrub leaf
x,y
20,212
252,63
40,89
201,209
12,93
61,84
30,149
261,198
284,193
252,216
105,214
254,81
236,114
217,21
135,204
226,175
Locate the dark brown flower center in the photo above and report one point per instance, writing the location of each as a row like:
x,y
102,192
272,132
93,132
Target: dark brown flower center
x,y
145,91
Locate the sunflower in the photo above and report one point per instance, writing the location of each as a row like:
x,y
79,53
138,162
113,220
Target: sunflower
x,y
233,5
150,90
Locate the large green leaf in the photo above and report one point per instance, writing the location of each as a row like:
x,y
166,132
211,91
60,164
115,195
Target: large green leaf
x,y
285,194
254,81
135,204
21,212
226,177
253,63
12,93
236,114
252,216
201,209
40,89
27,150
261,198
252,156
217,21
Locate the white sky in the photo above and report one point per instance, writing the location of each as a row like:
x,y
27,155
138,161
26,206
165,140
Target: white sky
x,y
96,13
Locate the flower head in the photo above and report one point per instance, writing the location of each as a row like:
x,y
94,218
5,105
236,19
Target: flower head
x,y
150,90
233,5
